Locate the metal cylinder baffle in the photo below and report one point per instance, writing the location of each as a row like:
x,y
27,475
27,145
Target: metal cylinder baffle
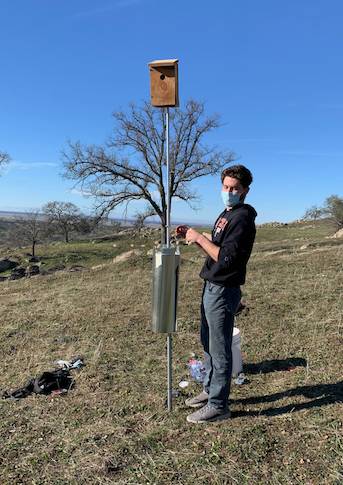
x,y
164,289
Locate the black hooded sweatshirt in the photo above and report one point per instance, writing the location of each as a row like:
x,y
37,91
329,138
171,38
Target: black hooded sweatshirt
x,y
234,232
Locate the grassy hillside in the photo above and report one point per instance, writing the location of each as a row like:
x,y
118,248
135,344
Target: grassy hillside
x,y
114,427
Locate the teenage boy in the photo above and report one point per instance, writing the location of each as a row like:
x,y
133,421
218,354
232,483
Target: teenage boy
x,y
223,272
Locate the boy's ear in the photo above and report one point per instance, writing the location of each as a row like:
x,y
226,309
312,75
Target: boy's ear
x,y
244,193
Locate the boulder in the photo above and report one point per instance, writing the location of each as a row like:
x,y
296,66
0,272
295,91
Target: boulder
x,y
127,255
5,264
56,267
338,233
33,259
273,224
99,266
14,259
17,274
18,271
307,246
76,267
32,270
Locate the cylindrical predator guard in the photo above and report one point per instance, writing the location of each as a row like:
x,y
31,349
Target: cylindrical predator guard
x,y
164,291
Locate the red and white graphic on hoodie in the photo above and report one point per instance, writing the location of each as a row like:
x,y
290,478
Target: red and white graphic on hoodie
x,y
220,226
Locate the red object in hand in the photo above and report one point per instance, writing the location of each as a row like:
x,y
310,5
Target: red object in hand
x,y
181,231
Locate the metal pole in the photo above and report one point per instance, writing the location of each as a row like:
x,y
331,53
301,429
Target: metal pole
x,y
169,356
169,337
168,181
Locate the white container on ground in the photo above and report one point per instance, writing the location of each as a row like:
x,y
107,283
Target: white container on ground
x,y
237,364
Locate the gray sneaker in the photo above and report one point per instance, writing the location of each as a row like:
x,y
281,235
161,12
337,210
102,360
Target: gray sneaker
x,y
207,414
197,401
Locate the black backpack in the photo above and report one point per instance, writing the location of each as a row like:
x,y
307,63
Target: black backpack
x,y
43,384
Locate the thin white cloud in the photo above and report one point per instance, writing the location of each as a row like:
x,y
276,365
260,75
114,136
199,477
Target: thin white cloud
x,y
26,166
12,208
248,140
154,193
244,140
311,153
292,104
84,193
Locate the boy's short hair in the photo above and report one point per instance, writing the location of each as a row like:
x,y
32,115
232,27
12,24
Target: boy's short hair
x,y
238,172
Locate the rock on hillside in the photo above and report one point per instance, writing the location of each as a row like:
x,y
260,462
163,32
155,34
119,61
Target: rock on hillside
x,y
338,233
5,264
272,224
282,224
127,255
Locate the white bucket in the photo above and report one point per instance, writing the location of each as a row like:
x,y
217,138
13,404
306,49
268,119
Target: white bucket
x,y
237,364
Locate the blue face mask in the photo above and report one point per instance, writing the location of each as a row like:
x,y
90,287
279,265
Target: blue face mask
x,y
230,199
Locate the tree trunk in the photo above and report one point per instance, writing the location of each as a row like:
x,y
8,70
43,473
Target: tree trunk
x,y
164,229
163,234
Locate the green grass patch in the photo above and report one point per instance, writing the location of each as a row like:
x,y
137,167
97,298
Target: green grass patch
x,y
114,427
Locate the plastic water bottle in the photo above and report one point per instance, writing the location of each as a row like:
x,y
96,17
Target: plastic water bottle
x,y
197,370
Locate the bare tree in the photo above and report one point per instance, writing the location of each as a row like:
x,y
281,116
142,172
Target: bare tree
x,y
27,229
131,164
332,208
313,212
65,217
140,217
4,158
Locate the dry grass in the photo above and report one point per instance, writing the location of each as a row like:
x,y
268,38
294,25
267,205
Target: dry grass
x,y
114,427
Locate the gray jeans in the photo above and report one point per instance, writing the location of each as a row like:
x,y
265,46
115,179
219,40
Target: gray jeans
x,y
218,308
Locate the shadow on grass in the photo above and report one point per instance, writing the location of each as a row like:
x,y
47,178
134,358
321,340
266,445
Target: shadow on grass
x,y
320,395
273,365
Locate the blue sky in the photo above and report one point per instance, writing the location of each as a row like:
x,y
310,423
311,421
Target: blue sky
x,y
273,69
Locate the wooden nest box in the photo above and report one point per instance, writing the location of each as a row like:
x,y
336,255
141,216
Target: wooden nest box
x,y
164,85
